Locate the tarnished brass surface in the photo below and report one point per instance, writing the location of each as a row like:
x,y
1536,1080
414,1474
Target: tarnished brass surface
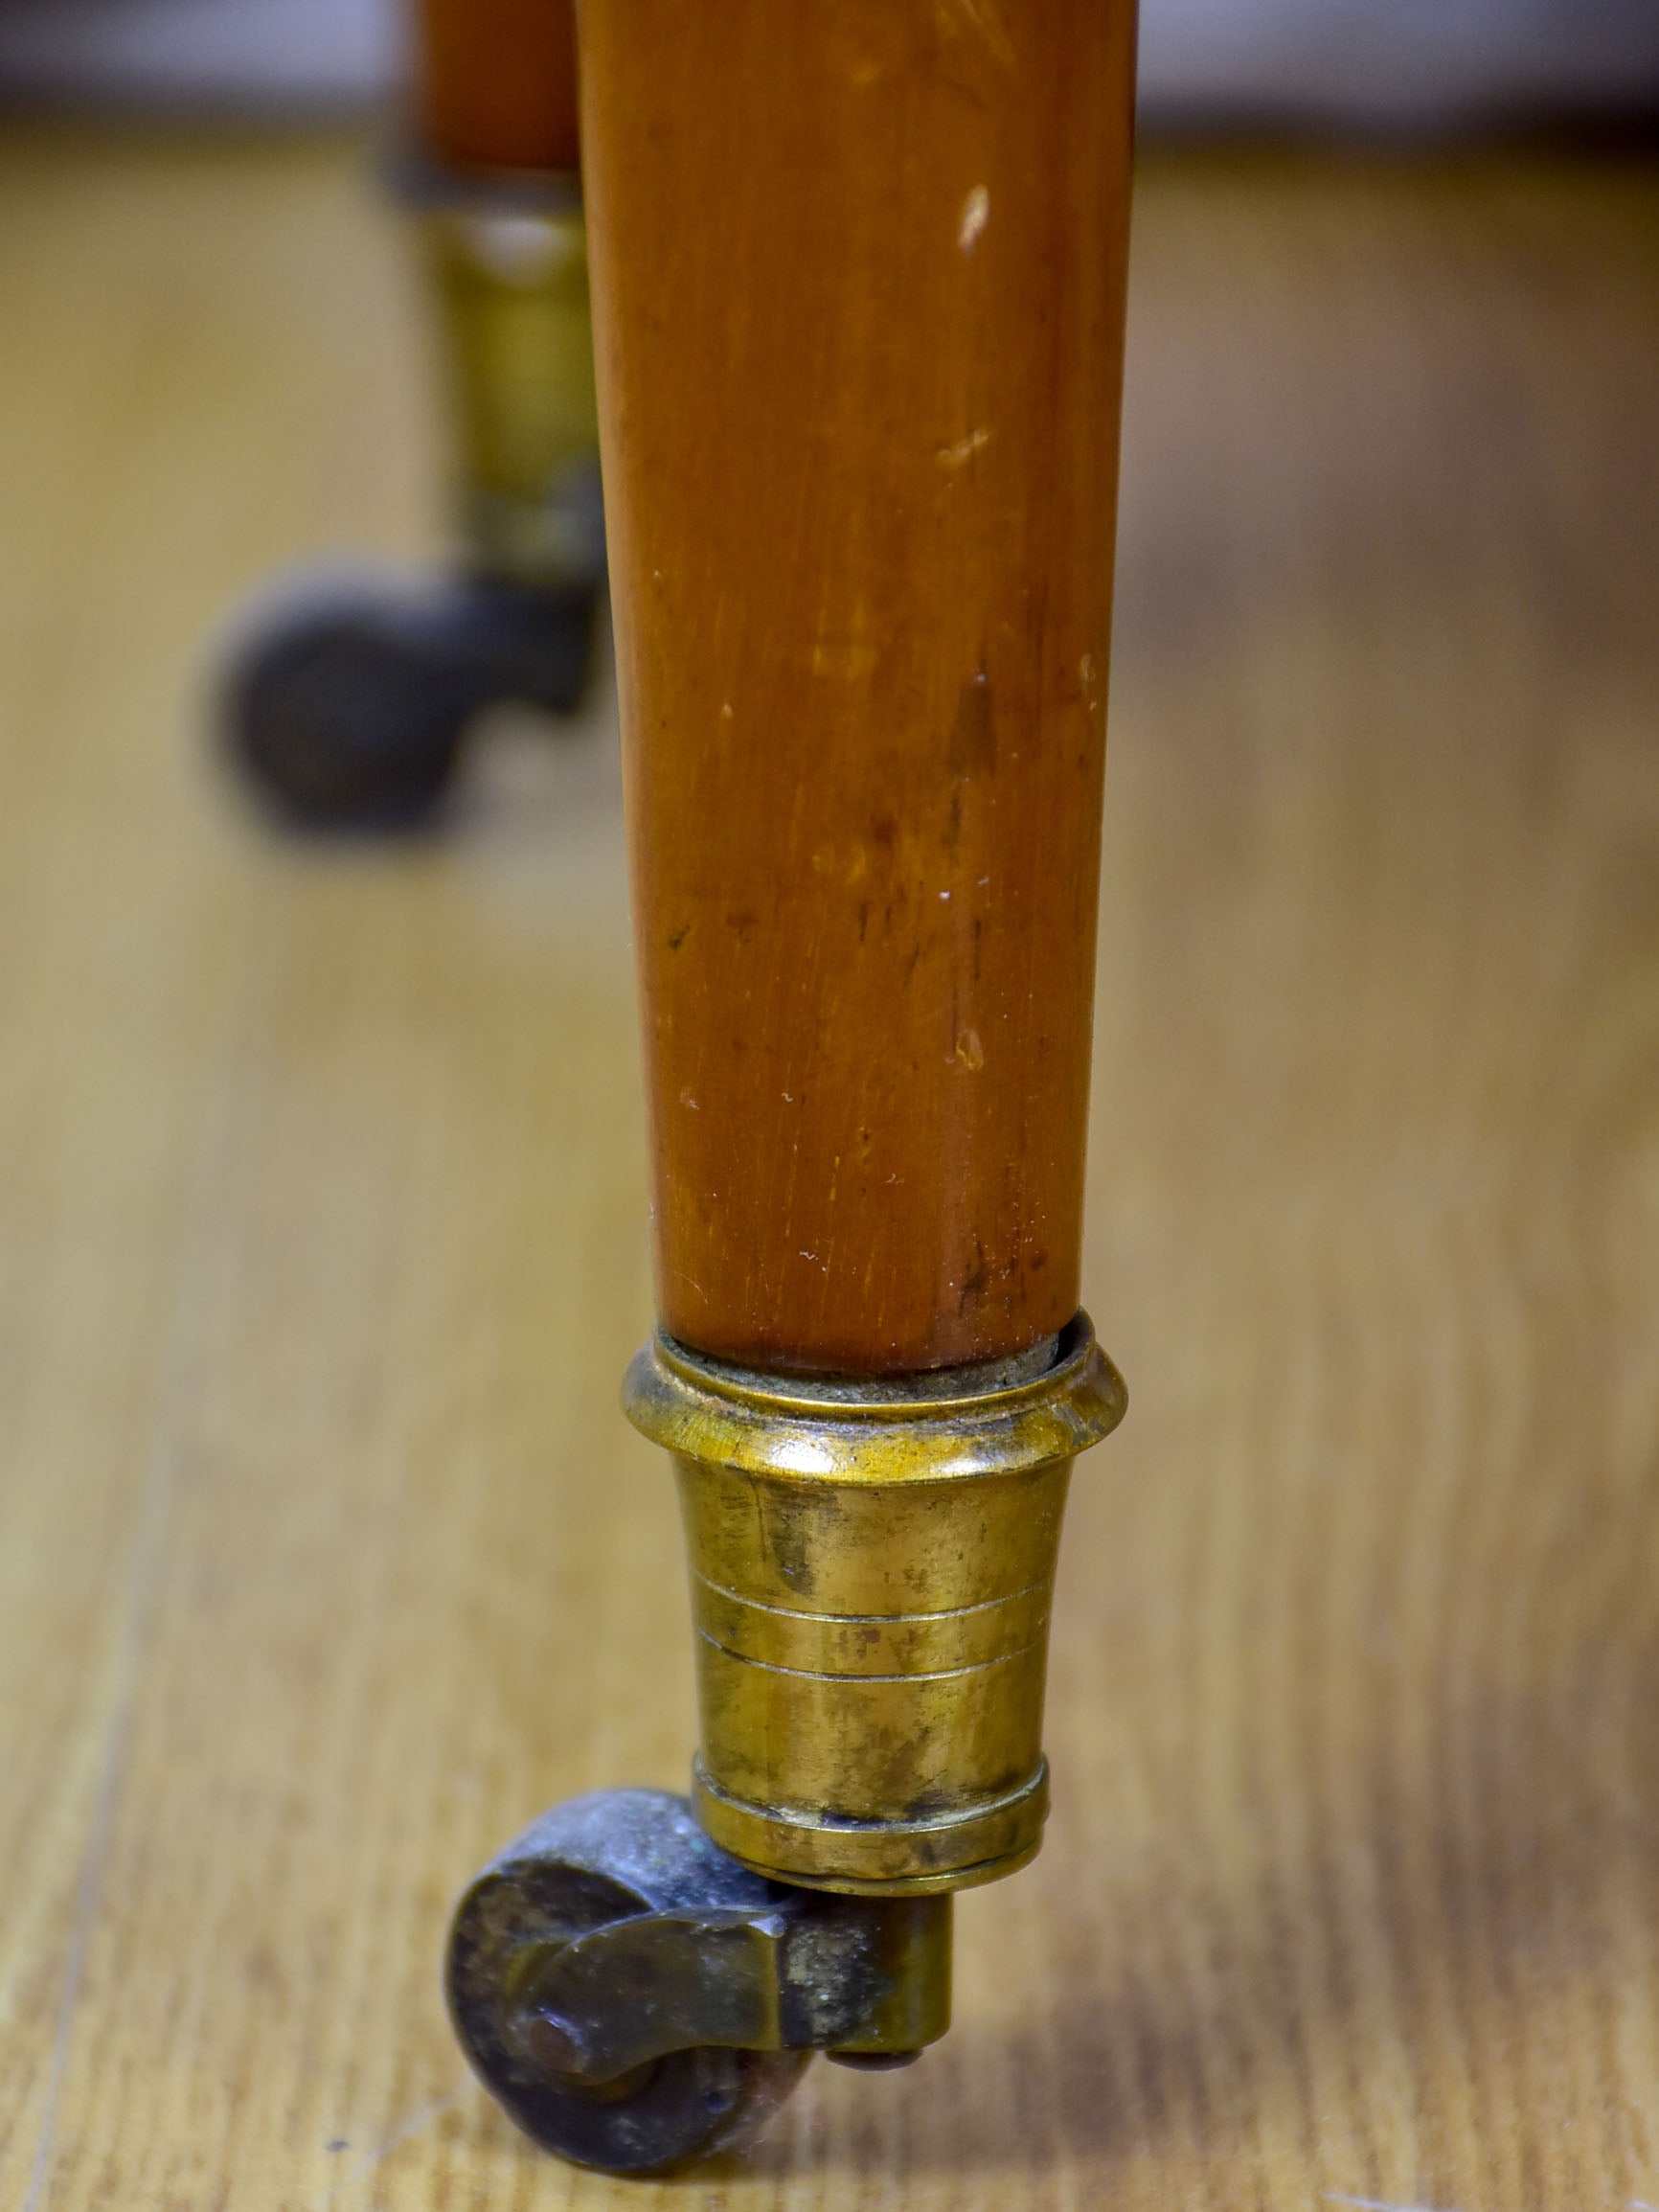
x,y
635,1996
863,1977
872,1569
508,262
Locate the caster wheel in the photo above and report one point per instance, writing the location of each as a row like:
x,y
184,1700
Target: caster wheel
x,y
346,702
586,1865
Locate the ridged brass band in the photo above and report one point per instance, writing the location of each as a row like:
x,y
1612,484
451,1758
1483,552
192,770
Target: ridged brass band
x,y
895,1857
872,1570
914,1646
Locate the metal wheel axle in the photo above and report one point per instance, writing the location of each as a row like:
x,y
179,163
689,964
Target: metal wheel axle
x,y
637,1999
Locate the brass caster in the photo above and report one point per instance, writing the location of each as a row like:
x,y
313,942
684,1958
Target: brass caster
x,y
347,698
871,1569
638,2000
640,1979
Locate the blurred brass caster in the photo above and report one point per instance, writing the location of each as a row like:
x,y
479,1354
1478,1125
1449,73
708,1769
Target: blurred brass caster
x,y
507,256
872,1567
349,696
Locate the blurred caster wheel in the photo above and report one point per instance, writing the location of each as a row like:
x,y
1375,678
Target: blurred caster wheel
x,y
346,700
585,1865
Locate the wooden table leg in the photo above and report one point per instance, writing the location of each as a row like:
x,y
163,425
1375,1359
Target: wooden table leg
x,y
496,83
860,279
860,284
350,699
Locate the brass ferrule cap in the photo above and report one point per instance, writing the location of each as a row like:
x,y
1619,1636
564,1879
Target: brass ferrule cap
x,y
872,1570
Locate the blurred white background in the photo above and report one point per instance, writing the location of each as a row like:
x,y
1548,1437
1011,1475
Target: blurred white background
x,y
1399,61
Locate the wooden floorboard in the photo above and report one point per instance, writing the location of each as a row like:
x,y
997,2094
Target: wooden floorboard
x,y
325,1558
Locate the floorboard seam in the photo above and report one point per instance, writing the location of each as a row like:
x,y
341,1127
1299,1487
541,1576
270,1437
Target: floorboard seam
x,y
180,1373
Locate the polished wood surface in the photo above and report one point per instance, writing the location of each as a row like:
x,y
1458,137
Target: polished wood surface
x,y
496,83
325,1558
858,407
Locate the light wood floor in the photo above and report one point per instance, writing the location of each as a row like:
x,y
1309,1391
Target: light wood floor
x,y
325,1557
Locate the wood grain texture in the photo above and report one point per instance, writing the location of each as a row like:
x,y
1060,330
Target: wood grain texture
x,y
325,1557
858,408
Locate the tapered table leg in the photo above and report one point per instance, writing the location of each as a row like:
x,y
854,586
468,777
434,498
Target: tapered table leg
x,y
350,696
859,277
